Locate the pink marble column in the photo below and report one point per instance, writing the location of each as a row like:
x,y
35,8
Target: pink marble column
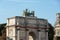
x,y
46,35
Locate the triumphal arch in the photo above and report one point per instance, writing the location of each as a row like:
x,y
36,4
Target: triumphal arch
x,y
26,27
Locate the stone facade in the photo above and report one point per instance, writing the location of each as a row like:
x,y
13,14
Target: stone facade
x,y
26,28
57,27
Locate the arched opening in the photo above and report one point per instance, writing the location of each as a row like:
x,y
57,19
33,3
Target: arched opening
x,y
32,36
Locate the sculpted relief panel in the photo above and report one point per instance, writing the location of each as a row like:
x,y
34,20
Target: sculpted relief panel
x,y
11,22
20,21
42,23
31,22
27,22
11,31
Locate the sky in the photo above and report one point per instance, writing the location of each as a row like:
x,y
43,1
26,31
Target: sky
x,y
46,9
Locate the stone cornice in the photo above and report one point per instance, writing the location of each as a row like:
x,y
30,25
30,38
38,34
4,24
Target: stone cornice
x,y
28,27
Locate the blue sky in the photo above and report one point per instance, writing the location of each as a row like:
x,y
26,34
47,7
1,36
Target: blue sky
x,y
46,9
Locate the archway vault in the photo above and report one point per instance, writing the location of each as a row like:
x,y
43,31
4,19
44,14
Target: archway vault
x,y
32,36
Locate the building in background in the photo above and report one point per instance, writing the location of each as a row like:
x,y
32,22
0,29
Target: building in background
x,y
57,27
26,27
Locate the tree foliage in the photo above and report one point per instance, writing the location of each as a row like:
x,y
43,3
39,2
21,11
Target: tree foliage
x,y
2,28
51,32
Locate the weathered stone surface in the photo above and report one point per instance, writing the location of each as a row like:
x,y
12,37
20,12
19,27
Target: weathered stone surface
x,y
24,28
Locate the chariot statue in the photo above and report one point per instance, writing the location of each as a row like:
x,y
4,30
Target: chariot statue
x,y
28,13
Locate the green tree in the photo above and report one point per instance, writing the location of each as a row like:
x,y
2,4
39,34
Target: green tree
x,y
2,27
51,32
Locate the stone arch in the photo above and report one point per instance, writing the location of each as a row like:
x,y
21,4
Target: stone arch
x,y
32,36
